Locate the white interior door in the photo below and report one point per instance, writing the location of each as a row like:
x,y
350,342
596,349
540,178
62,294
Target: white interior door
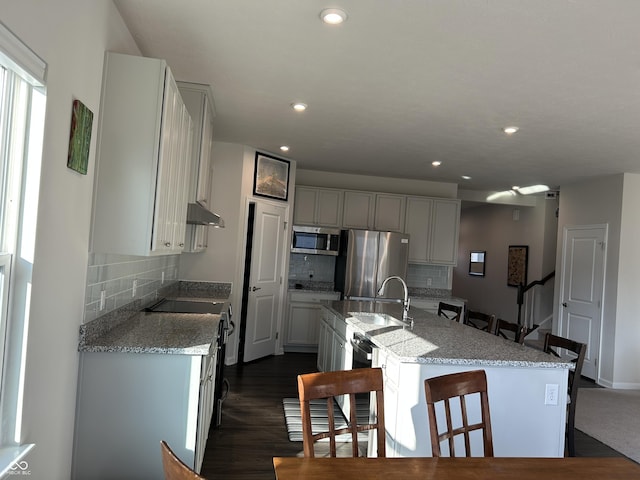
x,y
263,305
582,290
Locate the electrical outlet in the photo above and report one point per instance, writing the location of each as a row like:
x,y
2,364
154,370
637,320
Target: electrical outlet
x,y
311,273
551,394
103,299
134,288
429,282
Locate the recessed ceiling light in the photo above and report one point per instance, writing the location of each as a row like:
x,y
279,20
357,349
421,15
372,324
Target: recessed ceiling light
x,y
333,16
510,130
436,163
284,148
299,107
466,177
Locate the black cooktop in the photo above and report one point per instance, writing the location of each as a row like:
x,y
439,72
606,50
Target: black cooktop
x,y
186,306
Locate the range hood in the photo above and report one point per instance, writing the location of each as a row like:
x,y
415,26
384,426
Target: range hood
x,y
197,214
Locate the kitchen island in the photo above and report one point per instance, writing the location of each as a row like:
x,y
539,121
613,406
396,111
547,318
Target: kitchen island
x,y
525,422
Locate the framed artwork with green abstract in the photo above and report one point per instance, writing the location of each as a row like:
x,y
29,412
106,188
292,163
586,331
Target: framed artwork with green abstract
x,y
79,137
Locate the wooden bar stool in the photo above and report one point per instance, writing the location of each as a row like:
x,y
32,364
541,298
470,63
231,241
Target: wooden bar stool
x,y
452,312
328,385
458,385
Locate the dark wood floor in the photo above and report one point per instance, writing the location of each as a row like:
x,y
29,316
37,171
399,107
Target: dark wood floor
x,y
253,430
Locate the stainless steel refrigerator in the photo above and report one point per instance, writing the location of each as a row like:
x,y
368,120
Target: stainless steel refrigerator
x,y
368,257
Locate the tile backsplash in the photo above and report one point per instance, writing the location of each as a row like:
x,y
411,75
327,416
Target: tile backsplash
x,y
418,276
320,268
115,275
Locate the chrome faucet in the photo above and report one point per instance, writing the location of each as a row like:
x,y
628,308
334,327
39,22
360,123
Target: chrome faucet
x,y
405,302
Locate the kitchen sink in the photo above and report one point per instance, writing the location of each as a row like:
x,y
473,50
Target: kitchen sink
x,y
186,306
376,318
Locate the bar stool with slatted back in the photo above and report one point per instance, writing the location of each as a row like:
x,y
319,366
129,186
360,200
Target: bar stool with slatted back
x,y
328,385
174,468
452,312
500,326
479,320
579,349
458,385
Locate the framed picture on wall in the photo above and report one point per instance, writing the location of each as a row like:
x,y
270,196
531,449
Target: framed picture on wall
x,y
517,262
476,262
271,177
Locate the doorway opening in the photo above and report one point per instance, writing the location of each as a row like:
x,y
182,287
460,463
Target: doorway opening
x,y
245,281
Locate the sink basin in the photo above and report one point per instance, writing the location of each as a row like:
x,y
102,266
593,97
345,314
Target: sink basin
x,y
376,318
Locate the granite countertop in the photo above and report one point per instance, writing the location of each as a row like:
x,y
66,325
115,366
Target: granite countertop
x,y
132,330
438,340
154,332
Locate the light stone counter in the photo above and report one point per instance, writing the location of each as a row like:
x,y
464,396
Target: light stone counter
x,y
437,340
152,332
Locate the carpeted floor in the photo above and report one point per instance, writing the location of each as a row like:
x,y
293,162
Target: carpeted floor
x,y
611,416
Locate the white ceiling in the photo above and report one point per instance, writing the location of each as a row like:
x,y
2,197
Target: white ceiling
x,y
406,82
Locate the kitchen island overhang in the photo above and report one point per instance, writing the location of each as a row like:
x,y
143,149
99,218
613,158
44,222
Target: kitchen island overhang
x,y
524,424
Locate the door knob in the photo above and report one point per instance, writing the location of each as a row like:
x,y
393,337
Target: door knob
x,y
255,288
564,304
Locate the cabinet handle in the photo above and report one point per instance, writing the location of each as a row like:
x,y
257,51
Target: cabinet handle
x,y
181,245
167,244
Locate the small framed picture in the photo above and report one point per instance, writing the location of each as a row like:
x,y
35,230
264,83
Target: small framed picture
x,y
517,265
79,137
476,262
271,177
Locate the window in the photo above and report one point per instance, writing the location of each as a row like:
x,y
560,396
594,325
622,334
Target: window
x,y
22,108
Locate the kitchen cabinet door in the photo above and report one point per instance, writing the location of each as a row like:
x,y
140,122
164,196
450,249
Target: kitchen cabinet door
x,y
318,207
359,208
389,215
432,225
418,226
303,320
444,232
140,156
199,102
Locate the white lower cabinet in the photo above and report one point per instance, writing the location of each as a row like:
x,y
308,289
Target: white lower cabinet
x,y
302,332
333,348
128,402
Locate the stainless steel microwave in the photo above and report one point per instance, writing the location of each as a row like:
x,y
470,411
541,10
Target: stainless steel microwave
x,y
315,240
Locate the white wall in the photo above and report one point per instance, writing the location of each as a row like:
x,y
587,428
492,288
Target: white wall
x,y
231,191
590,203
71,36
492,228
627,327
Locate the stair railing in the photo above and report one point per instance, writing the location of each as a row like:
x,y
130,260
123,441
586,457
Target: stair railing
x,y
522,289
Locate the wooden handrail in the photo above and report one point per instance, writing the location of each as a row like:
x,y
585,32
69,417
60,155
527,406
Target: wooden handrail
x,y
522,289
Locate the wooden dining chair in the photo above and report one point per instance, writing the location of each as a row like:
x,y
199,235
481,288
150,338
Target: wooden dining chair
x,y
458,385
479,320
174,468
328,386
499,327
551,344
452,312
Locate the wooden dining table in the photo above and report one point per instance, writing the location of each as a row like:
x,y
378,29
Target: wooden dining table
x,y
474,468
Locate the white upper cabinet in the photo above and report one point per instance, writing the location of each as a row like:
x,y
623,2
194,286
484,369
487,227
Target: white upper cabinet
x,y
318,206
141,181
199,102
359,208
389,214
432,225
